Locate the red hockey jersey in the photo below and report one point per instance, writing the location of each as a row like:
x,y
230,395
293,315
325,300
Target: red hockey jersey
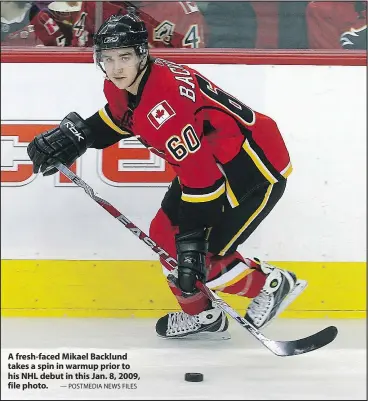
x,y
337,25
220,149
52,32
59,28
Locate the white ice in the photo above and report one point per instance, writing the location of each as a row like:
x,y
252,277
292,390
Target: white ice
x,y
239,368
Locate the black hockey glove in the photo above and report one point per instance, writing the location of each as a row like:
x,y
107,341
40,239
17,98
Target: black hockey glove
x,y
64,144
191,248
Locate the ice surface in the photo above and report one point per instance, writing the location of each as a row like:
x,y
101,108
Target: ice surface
x,y
239,368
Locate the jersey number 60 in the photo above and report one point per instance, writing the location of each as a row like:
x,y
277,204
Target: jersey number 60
x,y
180,147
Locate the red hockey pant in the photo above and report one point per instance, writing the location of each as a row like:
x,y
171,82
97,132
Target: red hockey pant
x,y
228,271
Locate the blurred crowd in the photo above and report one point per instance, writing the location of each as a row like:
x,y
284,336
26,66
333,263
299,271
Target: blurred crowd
x,y
189,24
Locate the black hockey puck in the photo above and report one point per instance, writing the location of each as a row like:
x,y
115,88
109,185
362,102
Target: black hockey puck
x,y
193,377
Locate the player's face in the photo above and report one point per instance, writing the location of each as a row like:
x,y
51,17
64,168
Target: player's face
x,y
121,66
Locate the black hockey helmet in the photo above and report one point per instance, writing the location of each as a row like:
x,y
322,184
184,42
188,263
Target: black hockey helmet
x,y
122,31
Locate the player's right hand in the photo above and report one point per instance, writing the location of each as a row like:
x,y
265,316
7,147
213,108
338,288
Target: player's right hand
x,y
64,144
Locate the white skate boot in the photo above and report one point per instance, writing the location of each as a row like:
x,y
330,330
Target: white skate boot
x,y
209,324
280,289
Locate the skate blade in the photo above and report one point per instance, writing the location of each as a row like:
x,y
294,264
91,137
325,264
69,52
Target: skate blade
x,y
299,287
207,336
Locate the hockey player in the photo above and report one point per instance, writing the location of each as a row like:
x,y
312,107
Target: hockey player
x,y
27,24
178,24
337,25
231,164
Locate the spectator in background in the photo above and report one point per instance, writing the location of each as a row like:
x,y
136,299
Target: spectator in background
x,y
17,23
169,24
337,25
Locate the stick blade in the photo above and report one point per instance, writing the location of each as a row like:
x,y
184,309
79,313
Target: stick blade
x,y
303,345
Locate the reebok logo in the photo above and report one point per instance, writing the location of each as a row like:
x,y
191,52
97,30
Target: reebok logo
x,y
74,131
111,39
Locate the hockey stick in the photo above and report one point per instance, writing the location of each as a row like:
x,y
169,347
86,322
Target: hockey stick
x,y
279,348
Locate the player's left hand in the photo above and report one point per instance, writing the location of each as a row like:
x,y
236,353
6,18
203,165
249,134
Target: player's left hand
x,y
191,248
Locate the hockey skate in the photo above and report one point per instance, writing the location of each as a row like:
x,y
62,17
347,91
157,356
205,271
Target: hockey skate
x,y
280,289
210,324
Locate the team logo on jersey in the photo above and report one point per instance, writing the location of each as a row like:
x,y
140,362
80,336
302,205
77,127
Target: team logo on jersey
x,y
51,26
160,114
164,32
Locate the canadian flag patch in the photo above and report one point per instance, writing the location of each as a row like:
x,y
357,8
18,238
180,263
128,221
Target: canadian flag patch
x,y
160,113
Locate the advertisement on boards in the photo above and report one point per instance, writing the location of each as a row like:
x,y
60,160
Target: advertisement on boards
x,y
127,163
